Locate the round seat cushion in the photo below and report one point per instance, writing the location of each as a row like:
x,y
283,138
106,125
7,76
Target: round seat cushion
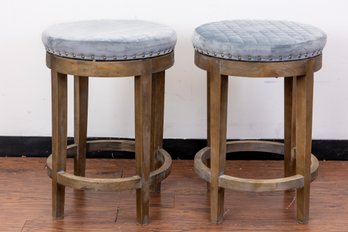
x,y
259,40
109,39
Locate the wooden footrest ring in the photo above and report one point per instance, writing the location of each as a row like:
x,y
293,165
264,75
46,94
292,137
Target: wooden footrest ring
x,y
110,184
253,185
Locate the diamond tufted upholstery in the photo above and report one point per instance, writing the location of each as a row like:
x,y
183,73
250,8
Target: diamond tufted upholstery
x,y
109,39
259,40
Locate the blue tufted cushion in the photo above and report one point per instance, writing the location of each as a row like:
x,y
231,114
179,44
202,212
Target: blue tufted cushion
x,y
259,40
109,39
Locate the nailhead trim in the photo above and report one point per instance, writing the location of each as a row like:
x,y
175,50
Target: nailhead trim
x,y
105,58
259,58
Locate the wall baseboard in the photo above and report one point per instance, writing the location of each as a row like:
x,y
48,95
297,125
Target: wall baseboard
x,y
15,146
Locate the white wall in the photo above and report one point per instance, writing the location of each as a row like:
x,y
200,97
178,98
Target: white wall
x,y
255,106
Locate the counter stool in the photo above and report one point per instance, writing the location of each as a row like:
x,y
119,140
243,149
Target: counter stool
x,y
109,48
260,48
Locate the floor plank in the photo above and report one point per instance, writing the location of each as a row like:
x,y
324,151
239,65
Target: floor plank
x,y
183,204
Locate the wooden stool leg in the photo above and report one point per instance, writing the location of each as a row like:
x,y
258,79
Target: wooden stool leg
x,y
80,123
289,126
304,103
143,142
59,139
207,162
218,86
158,83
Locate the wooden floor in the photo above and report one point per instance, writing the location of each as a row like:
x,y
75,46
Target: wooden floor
x,y
183,204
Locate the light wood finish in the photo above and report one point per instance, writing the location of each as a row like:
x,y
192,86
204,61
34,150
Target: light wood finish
x,y
207,161
143,142
218,86
113,184
208,111
108,68
98,184
164,169
182,205
59,139
304,105
111,145
157,107
80,123
258,146
289,126
258,69
255,185
152,162
298,94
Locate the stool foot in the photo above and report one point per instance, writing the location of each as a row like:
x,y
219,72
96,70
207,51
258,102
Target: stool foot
x,y
302,198
58,199
143,205
217,205
303,221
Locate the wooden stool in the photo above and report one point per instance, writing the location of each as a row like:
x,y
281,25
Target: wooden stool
x,y
249,48
109,48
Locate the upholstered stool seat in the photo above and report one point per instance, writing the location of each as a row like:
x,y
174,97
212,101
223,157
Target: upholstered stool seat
x,y
109,48
259,40
260,48
109,39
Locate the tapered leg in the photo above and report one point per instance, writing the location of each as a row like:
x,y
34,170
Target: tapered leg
x,y
59,140
80,123
158,82
218,86
289,126
208,124
208,109
143,142
304,102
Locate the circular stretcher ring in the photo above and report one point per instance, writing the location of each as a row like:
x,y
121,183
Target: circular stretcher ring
x,y
110,184
253,185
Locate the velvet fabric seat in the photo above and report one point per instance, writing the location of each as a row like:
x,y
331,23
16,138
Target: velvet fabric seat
x,y
259,40
109,39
